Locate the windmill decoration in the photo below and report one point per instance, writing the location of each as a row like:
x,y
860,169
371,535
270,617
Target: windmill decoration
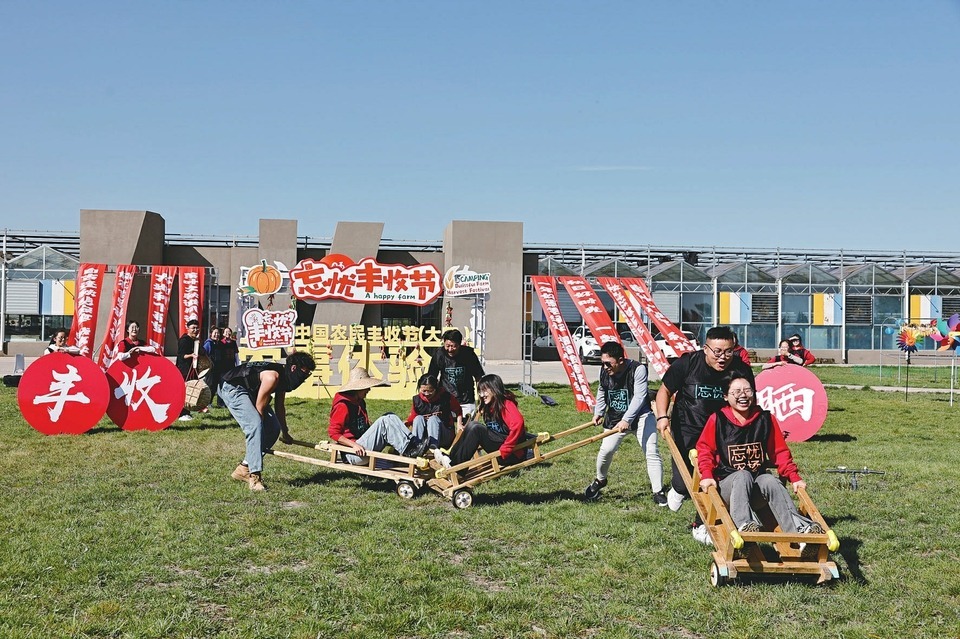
x,y
907,342
946,332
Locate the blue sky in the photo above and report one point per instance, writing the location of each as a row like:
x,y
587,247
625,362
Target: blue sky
x,y
756,124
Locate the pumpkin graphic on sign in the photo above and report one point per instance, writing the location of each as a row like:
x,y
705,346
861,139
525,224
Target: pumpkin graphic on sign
x,y
263,279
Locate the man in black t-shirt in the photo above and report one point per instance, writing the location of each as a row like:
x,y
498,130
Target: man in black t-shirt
x,y
458,368
694,384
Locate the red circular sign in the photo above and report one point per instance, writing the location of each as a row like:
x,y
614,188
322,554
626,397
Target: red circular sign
x,y
61,393
146,392
796,398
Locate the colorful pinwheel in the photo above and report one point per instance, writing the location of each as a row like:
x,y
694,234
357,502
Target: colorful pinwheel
x,y
907,340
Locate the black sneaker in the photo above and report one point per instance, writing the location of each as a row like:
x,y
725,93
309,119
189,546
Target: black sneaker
x,y
593,490
416,448
659,498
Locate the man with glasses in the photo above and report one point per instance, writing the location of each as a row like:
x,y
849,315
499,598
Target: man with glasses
x,y
623,405
798,354
694,382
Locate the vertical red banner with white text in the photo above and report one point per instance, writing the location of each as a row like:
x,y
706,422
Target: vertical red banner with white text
x,y
591,310
121,299
546,290
673,335
631,314
191,295
86,305
161,285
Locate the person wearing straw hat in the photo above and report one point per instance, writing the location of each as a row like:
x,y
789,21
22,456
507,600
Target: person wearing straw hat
x,y
350,426
247,391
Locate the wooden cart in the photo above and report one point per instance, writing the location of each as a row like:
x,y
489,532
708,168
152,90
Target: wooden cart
x,y
410,474
455,483
741,552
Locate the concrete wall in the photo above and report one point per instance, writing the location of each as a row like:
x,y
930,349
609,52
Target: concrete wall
x,y
356,240
495,248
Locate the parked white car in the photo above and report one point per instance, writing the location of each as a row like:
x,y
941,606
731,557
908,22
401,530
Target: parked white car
x,y
668,351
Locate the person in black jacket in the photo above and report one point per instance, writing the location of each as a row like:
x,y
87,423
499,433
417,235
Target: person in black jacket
x,y
458,368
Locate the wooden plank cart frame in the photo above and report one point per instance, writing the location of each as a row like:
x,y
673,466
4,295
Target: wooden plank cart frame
x,y
740,552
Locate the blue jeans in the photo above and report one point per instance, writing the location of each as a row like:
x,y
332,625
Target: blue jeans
x,y
433,428
387,430
261,432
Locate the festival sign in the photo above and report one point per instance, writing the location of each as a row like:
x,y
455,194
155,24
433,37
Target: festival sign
x,y
121,298
460,280
161,285
546,290
146,392
63,394
269,329
591,310
673,335
795,396
84,329
631,314
191,294
367,282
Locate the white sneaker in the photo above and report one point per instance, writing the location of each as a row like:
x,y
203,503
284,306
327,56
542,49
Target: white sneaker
x,y
185,418
701,534
442,459
674,500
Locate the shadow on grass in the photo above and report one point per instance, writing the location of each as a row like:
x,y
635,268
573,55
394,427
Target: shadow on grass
x,y
528,499
833,437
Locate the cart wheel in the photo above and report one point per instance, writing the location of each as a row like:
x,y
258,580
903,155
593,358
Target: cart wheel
x,y
406,490
463,498
716,579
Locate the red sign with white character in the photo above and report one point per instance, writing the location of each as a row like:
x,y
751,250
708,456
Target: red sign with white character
x,y
369,282
146,392
673,335
61,393
795,396
269,329
591,310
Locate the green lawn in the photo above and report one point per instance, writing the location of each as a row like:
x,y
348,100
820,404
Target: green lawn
x,y
897,376
114,534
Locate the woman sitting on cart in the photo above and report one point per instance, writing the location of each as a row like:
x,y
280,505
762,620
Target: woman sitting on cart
x,y
738,444
435,413
501,430
350,426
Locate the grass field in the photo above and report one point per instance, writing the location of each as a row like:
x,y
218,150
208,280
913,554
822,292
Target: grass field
x,y
114,534
874,376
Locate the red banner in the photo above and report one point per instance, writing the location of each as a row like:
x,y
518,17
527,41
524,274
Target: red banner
x,y
631,313
547,293
161,284
191,295
673,335
591,310
121,298
146,392
62,393
86,304
796,397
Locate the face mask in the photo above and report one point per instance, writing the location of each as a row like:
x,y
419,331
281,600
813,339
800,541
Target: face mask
x,y
295,378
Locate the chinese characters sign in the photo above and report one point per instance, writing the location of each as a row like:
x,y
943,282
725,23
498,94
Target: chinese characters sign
x,y
547,293
591,310
673,336
121,298
369,282
89,282
631,313
460,280
161,284
269,329
795,396
146,392
61,393
191,294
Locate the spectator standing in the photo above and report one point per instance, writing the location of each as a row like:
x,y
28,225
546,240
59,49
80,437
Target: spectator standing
x,y
458,368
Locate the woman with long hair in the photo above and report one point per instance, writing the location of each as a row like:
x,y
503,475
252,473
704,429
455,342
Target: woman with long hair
x,y
501,428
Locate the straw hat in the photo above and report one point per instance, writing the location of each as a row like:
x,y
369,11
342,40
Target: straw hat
x,y
360,379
